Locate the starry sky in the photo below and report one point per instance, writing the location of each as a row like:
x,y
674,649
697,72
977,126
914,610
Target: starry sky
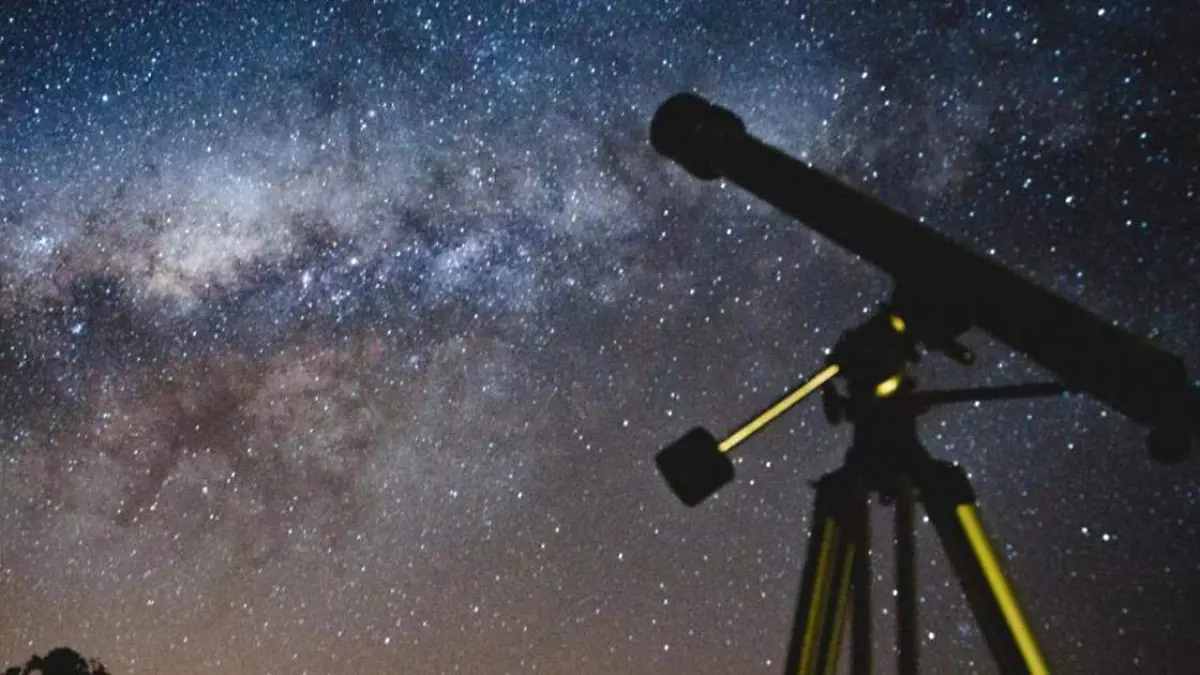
x,y
340,336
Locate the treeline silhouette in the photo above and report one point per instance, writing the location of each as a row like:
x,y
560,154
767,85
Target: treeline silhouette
x,y
58,661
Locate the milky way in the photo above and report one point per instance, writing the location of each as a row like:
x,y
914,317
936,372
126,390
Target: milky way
x,y
344,334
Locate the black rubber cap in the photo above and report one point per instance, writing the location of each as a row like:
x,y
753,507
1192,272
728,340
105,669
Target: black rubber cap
x,y
686,128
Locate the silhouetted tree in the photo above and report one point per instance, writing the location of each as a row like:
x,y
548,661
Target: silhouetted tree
x,y
58,661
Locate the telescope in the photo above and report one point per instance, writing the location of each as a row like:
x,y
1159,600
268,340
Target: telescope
x,y
941,290
948,285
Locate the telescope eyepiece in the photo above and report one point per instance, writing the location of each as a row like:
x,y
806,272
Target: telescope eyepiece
x,y
686,128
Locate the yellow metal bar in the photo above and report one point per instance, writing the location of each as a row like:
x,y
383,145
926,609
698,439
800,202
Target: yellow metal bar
x,y
839,620
820,591
778,409
969,520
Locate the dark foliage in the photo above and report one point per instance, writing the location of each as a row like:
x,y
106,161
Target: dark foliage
x,y
58,661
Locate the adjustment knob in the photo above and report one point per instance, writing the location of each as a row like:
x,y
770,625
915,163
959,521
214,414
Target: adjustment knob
x,y
1170,445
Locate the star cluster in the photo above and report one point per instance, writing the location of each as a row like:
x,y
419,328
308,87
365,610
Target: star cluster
x,y
342,335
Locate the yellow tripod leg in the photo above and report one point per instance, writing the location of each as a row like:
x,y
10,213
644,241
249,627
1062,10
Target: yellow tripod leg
x,y
1031,656
823,601
950,503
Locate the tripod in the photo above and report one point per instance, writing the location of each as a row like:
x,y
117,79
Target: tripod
x,y
886,459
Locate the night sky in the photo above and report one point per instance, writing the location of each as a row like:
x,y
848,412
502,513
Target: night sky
x,y
341,336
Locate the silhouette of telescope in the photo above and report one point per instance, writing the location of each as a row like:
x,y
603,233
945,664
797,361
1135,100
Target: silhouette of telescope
x,y
950,287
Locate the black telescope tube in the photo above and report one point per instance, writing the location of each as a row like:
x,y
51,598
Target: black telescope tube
x,y
1088,354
